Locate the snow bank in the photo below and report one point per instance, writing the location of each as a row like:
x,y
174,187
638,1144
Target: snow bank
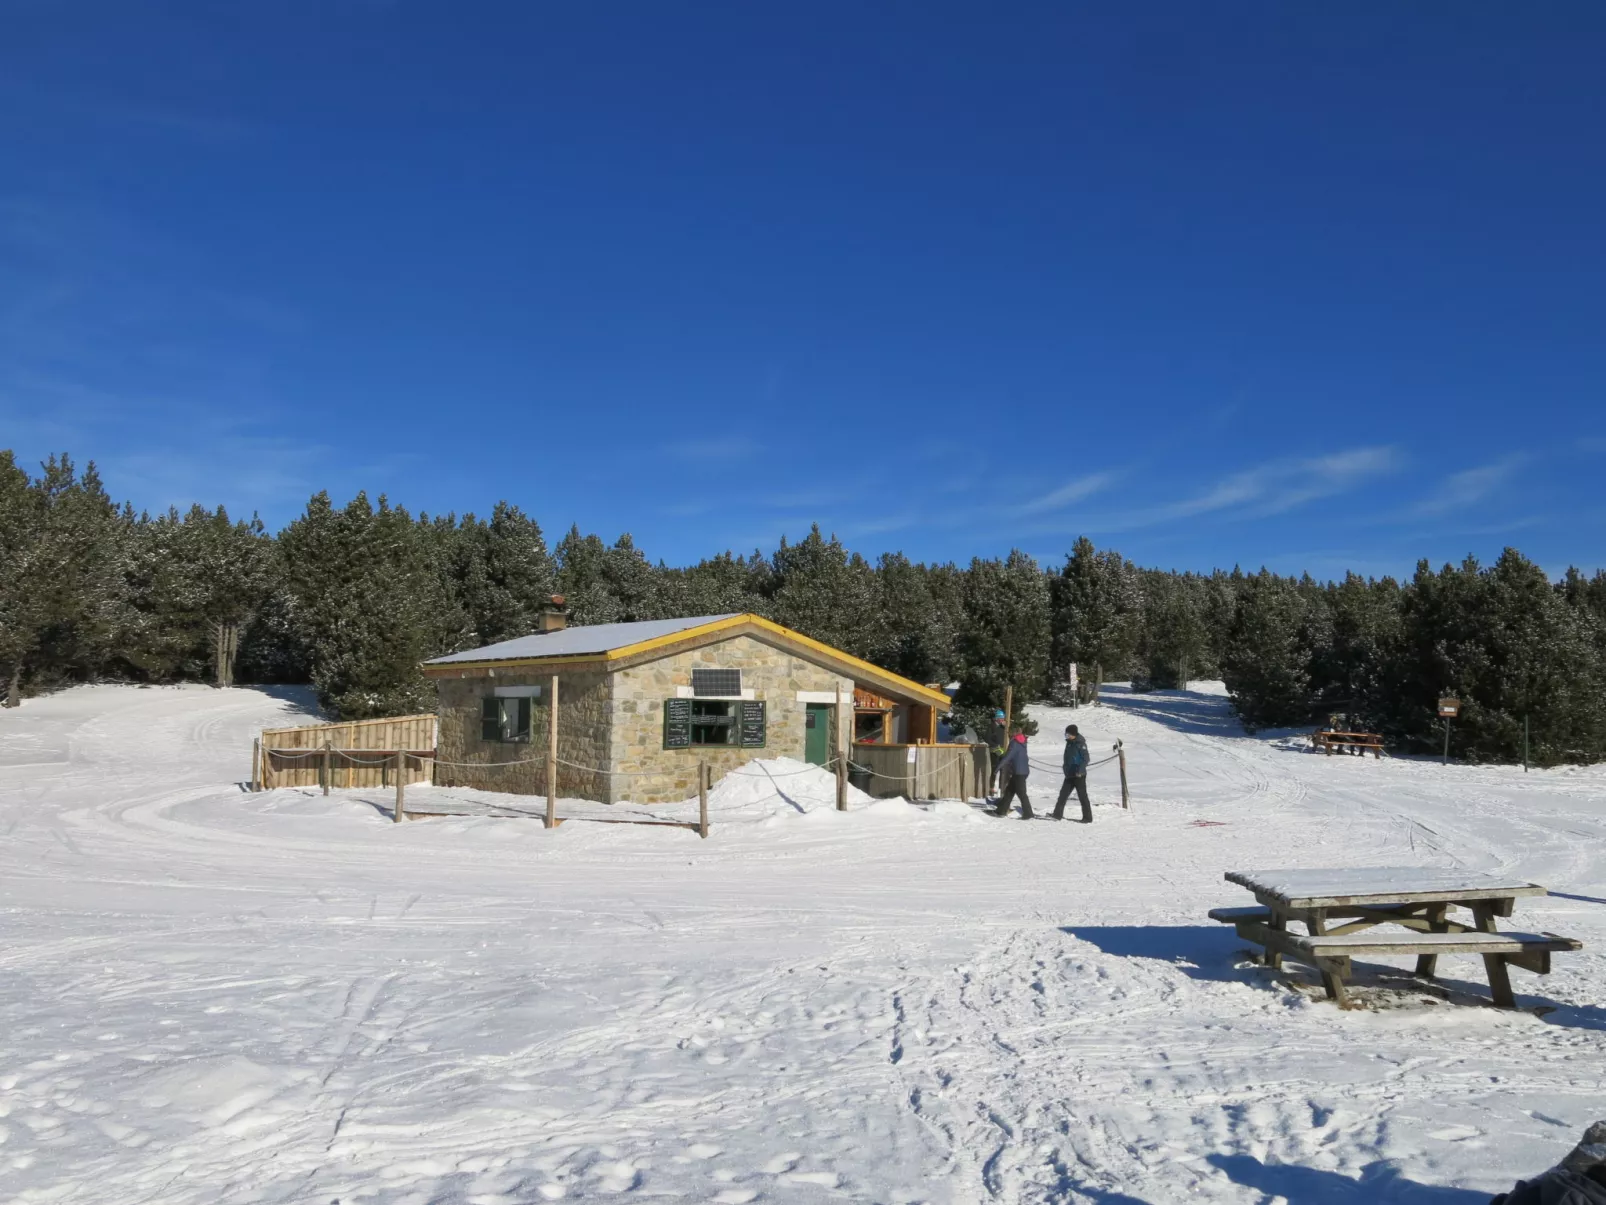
x,y
211,997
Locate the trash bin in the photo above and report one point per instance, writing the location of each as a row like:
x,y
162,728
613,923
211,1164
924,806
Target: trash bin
x,y
860,779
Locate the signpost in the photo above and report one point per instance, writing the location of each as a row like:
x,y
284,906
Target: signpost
x,y
1448,709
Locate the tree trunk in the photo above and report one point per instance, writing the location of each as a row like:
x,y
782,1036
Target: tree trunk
x,y
14,687
225,652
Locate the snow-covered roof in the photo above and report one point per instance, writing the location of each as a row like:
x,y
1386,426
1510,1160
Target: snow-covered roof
x,y
579,641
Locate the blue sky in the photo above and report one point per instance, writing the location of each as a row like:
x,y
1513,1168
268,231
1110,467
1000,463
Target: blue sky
x,y
1313,286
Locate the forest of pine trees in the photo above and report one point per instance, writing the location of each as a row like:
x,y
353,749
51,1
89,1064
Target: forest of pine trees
x,y
353,598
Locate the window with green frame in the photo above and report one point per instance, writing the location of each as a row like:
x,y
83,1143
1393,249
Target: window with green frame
x,y
505,721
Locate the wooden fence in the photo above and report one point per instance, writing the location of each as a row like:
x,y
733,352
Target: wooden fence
x,y
291,757
924,771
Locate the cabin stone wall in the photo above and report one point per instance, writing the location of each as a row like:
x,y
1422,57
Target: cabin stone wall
x,y
584,736
666,775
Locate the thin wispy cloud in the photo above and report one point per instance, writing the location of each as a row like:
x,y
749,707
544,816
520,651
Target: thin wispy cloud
x,y
1468,487
1071,491
1273,488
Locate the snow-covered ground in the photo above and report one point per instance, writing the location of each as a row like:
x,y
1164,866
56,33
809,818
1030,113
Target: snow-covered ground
x,y
214,997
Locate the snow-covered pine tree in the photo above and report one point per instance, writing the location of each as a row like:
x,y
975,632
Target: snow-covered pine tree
x,y
371,598
501,574
1267,664
1175,644
823,592
1005,639
1097,612
59,547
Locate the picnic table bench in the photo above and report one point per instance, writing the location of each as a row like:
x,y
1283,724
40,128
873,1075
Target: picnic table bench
x,y
1414,899
1359,742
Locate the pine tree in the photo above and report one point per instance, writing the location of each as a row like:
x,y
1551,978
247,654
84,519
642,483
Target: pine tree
x,y
1005,641
824,593
59,540
1348,671
915,637
371,597
1506,643
24,574
1266,665
1097,612
1175,643
502,575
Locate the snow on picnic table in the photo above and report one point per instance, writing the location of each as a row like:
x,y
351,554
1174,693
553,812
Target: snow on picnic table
x,y
214,997
1327,882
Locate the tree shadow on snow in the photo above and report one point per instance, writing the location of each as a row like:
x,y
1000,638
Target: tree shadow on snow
x,y
1207,952
1582,899
1180,710
1379,1183
303,698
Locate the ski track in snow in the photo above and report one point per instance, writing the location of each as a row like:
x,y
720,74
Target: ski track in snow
x,y
213,997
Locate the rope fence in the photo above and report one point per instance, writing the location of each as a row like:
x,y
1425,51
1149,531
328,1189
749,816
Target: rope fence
x,y
840,764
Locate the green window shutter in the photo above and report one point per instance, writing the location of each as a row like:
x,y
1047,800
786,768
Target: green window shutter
x,y
490,720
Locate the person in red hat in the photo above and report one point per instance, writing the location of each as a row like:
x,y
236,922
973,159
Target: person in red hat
x,y
1013,770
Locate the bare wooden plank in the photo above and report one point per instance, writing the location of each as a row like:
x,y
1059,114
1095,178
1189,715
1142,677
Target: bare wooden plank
x,y
1436,943
1231,916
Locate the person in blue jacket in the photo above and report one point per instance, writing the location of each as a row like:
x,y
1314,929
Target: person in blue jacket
x,y
1013,770
1076,759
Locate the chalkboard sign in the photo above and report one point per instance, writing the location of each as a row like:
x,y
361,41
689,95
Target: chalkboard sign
x,y
677,723
753,724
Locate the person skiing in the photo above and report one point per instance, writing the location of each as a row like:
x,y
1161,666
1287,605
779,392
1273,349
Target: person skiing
x,y
1013,770
1076,759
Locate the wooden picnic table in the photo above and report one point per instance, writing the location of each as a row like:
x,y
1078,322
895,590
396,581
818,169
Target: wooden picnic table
x,y
1328,739
1414,898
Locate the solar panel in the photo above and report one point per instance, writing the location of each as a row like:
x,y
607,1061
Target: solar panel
x,y
716,683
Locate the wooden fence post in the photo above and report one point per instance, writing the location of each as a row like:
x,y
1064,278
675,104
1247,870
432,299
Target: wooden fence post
x,y
401,770
552,756
702,799
1126,798
328,765
1009,713
256,757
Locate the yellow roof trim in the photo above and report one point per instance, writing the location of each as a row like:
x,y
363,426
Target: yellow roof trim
x,y
934,698
733,624
673,638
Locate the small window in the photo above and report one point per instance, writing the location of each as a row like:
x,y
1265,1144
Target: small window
x,y
505,720
716,683
713,723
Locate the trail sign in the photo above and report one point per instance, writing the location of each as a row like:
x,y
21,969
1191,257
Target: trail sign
x,y
1449,708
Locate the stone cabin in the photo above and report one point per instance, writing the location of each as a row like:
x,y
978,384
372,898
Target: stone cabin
x,y
640,705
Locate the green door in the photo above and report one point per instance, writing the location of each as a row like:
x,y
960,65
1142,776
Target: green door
x,y
817,734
